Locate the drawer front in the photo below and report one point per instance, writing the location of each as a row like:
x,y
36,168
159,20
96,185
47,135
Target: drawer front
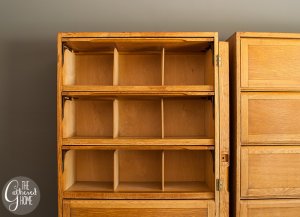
x,y
270,172
270,63
270,118
270,208
138,208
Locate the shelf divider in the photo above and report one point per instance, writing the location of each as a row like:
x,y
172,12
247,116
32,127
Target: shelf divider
x,y
116,119
163,171
163,67
162,119
116,68
116,169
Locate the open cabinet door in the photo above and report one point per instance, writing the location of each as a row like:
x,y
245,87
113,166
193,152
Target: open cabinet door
x,y
223,184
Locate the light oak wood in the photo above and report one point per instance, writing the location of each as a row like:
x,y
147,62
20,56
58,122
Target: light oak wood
x,y
135,208
134,141
270,62
270,118
77,90
270,208
270,172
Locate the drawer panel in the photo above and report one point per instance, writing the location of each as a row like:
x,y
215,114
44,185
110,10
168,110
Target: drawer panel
x,y
270,208
270,63
270,172
138,208
270,117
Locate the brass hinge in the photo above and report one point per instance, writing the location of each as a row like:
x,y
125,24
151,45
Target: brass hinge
x,y
219,60
219,184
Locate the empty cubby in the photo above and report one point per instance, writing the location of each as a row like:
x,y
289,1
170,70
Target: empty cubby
x,y
140,68
139,118
188,170
139,170
88,118
188,118
89,170
189,64
88,68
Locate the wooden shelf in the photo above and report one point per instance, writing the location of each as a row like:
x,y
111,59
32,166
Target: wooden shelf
x,y
186,187
139,187
129,142
86,186
90,91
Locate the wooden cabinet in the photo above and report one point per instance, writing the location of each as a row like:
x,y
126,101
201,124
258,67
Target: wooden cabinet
x,y
142,124
265,76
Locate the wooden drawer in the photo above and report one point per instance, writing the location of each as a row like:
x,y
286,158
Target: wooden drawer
x,y
270,208
270,117
270,172
270,63
138,208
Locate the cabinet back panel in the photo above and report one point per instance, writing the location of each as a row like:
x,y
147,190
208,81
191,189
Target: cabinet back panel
x,y
186,118
94,166
140,166
94,118
184,69
140,118
140,69
184,166
94,69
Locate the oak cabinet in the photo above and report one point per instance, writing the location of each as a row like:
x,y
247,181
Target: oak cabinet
x,y
142,124
265,117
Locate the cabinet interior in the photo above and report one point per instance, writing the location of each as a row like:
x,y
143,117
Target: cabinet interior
x,y
161,62
139,117
139,171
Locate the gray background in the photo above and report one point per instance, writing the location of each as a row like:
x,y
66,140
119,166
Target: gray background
x,y
28,30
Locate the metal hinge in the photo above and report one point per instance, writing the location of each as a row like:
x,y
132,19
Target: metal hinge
x,y
219,60
219,184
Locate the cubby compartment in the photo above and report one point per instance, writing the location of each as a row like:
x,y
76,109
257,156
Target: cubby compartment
x,y
139,118
189,64
188,118
188,171
88,170
87,118
140,69
139,171
88,67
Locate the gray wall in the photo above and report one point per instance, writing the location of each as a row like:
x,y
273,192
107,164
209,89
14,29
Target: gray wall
x,y
28,31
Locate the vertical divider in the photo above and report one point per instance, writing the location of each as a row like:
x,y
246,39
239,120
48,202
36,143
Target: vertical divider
x,y
116,119
116,169
163,171
116,67
163,67
162,119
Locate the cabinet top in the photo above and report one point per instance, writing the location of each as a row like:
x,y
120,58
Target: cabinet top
x,y
266,35
137,34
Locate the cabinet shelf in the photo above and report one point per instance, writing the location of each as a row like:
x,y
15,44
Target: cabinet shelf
x,y
77,141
